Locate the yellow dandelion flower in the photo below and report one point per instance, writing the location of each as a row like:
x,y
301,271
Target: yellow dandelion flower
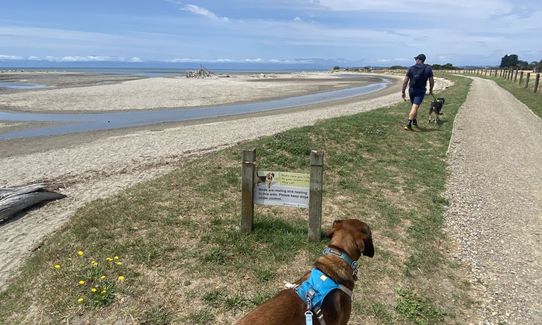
x,y
121,278
57,266
102,277
116,257
81,282
109,259
119,263
104,291
80,300
93,289
81,253
94,263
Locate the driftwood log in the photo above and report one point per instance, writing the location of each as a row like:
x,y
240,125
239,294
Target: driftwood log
x,y
16,199
201,73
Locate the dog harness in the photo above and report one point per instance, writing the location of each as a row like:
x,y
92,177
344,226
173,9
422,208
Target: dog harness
x,y
315,289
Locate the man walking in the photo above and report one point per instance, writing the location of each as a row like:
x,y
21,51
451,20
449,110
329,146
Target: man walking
x,y
416,78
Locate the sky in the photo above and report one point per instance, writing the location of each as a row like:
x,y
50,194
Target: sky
x,y
334,32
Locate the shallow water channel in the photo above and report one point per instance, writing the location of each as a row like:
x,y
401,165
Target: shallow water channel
x,y
21,85
86,122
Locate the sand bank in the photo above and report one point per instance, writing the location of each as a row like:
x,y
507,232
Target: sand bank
x,y
151,93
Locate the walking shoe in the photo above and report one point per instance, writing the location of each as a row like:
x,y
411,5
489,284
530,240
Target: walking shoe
x,y
408,127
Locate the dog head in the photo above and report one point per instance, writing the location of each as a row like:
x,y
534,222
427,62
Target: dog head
x,y
352,236
269,177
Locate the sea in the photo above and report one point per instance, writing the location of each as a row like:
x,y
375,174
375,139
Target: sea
x,y
158,71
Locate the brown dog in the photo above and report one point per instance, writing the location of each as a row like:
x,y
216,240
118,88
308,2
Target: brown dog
x,y
351,237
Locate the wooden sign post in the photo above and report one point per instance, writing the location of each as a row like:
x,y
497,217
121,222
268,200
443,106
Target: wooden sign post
x,y
247,190
283,189
315,198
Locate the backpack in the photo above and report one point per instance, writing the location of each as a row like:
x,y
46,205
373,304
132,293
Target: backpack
x,y
417,77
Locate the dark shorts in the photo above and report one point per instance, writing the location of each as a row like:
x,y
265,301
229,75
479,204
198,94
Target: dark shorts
x,y
416,96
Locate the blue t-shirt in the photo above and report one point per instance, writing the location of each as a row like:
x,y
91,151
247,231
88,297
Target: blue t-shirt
x,y
418,75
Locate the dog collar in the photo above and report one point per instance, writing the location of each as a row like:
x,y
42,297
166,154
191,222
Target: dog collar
x,y
342,255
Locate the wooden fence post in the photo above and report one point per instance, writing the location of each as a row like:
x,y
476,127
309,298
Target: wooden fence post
x,y
527,80
520,77
516,75
536,81
247,190
315,196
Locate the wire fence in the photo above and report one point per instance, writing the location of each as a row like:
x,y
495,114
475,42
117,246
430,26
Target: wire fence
x,y
527,79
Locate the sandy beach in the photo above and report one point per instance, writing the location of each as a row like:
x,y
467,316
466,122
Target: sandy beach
x,y
86,167
165,92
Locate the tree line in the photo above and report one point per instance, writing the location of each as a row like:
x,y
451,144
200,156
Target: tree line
x,y
513,61
507,61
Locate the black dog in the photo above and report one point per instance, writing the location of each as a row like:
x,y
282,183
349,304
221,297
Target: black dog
x,y
436,106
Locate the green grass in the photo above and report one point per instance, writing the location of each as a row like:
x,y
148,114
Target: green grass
x,y
186,260
418,309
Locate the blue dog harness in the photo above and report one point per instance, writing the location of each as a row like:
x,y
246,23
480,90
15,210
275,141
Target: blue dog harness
x,y
315,289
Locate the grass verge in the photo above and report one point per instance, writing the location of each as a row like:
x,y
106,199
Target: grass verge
x,y
184,260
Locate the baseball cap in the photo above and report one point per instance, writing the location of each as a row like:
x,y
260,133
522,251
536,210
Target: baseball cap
x,y
420,57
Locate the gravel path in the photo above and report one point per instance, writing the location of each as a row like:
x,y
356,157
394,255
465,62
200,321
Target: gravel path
x,y
495,195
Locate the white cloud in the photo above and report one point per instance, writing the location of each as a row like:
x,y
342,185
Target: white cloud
x,y
73,58
56,34
204,12
456,7
89,58
247,60
10,57
394,60
193,60
257,60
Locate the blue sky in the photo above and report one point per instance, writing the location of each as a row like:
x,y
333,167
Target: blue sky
x,y
348,32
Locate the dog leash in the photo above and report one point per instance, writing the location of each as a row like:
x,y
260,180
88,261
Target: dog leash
x,y
308,317
308,313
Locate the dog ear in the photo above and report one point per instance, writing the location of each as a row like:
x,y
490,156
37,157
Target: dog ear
x,y
336,225
368,248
